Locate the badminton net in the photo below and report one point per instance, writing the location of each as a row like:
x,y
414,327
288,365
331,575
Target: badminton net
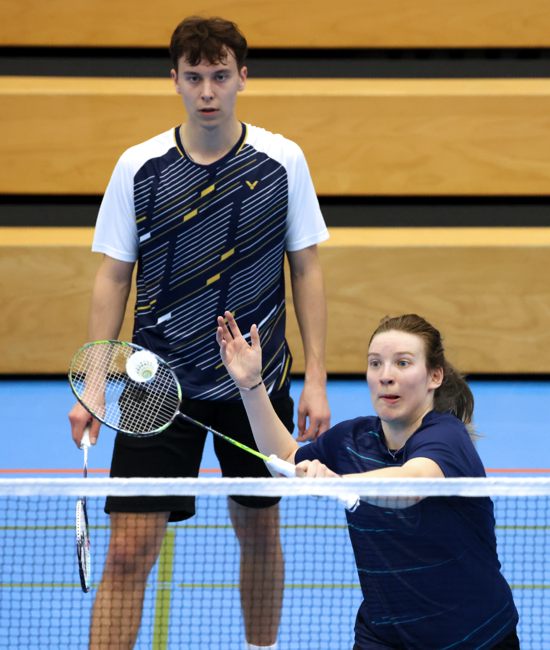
x,y
192,593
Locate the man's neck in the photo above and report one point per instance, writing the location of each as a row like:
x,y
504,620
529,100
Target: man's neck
x,y
206,146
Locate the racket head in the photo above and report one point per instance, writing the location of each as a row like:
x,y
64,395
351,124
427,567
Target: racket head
x,y
83,545
125,386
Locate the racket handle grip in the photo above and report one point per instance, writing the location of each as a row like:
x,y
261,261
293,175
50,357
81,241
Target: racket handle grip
x,y
85,440
281,466
350,501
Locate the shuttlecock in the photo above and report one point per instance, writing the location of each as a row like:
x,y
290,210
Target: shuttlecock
x,y
142,366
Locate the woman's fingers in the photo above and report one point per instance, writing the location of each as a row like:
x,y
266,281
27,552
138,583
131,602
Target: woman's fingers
x,y
255,337
232,325
222,333
308,468
228,330
313,469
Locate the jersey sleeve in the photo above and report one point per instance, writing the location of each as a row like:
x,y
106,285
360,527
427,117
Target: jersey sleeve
x,y
446,441
116,232
305,223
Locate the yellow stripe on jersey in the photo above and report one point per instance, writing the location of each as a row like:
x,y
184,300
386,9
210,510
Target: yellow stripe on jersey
x,y
285,371
227,254
213,279
190,215
207,190
145,307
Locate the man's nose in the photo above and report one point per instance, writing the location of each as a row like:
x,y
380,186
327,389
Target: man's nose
x,y
207,90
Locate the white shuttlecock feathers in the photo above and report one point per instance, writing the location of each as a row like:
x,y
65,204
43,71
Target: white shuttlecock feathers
x,y
142,366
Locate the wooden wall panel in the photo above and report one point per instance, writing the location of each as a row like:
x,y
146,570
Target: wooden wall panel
x,y
285,23
47,279
361,136
486,289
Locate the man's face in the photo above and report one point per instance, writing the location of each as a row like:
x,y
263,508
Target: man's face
x,y
209,91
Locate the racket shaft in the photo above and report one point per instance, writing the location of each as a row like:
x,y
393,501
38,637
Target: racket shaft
x,y
238,444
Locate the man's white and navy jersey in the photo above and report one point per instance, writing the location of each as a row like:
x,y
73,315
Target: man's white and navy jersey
x,y
210,238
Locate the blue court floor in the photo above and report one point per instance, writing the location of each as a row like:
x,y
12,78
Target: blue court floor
x,y
511,416
192,599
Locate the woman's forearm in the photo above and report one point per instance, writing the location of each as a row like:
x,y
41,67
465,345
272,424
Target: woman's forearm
x,y
270,434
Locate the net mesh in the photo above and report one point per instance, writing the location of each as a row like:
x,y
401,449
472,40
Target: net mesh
x,y
192,597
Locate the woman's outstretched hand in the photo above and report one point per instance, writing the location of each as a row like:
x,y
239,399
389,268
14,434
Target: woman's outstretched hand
x,y
242,360
314,469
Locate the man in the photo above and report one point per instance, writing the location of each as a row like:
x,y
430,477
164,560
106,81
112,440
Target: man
x,y
208,211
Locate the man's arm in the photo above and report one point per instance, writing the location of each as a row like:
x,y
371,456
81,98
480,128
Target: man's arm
x,y
109,297
309,303
108,306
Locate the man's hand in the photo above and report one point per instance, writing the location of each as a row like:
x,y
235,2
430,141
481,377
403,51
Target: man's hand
x,y
80,419
313,411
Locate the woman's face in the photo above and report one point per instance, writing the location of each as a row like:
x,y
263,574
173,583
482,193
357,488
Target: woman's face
x,y
401,386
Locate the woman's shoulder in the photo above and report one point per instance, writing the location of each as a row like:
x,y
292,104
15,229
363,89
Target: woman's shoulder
x,y
444,422
445,439
440,429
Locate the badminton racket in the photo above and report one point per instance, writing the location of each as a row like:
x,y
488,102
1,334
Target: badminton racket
x,y
82,534
136,392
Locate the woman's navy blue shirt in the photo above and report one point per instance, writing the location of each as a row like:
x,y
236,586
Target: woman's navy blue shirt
x,y
429,573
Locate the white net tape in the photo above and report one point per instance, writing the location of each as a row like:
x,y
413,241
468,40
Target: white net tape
x,y
464,487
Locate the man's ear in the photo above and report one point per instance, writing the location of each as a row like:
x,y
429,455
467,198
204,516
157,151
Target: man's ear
x,y
243,75
174,77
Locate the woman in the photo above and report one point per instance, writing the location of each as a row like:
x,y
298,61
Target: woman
x,y
429,573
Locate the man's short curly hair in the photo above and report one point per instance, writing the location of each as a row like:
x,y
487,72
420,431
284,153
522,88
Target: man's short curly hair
x,y
197,39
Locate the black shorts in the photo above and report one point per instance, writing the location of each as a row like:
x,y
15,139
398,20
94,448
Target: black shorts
x,y
177,452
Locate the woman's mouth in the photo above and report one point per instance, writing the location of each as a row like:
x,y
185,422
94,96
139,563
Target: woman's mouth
x,y
390,398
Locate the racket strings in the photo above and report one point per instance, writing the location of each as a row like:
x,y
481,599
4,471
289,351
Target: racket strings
x,y
83,545
99,378
148,407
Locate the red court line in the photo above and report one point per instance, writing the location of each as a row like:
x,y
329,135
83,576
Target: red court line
x,y
214,470
518,470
